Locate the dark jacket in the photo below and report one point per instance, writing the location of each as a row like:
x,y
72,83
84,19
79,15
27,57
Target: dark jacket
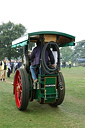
x,y
19,64
36,53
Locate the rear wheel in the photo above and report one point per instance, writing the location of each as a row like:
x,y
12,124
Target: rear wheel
x,y
61,90
21,88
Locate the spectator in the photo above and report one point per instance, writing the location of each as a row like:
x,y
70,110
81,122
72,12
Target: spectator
x,y
3,70
19,63
15,65
69,64
64,64
9,68
12,65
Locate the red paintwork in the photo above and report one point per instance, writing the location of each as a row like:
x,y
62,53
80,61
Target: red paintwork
x,y
18,88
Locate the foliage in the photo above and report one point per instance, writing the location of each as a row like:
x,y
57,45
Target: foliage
x,y
79,51
9,32
66,53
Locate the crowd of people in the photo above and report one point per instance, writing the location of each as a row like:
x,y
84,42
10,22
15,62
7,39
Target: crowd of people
x,y
66,64
7,67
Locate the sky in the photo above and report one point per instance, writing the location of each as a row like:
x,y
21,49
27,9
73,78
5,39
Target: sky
x,y
67,16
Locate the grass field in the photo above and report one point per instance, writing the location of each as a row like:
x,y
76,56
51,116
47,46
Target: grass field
x,y
70,114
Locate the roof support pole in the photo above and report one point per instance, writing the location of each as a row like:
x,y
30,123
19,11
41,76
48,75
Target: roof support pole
x,y
26,58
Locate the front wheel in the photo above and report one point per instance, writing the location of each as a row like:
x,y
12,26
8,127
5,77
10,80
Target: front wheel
x,y
21,89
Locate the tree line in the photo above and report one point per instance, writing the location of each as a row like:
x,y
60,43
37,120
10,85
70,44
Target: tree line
x,y
74,54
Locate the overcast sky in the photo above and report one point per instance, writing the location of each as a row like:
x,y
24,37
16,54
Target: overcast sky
x,y
66,16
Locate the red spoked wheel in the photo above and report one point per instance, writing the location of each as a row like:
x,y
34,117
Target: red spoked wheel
x,y
21,89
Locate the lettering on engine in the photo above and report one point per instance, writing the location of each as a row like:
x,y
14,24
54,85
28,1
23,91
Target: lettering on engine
x,y
50,85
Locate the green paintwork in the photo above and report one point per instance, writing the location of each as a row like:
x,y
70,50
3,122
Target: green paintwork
x,y
50,87
50,80
69,44
38,95
20,44
23,43
51,32
48,90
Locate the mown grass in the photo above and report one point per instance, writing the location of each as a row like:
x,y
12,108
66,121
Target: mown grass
x,y
70,114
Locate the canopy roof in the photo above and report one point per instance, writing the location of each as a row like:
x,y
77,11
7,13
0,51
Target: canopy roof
x,y
62,39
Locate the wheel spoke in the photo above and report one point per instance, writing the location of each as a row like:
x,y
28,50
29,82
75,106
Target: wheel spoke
x,y
20,91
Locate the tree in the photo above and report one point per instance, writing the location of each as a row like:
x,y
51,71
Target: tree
x,y
9,32
79,51
66,53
